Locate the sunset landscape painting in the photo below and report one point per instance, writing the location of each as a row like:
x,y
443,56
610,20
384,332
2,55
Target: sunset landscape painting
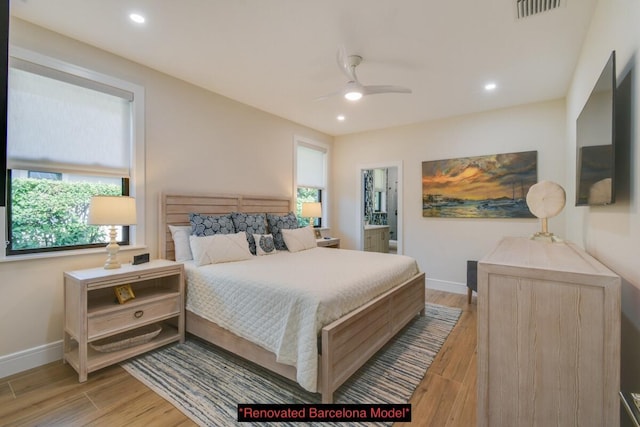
x,y
492,186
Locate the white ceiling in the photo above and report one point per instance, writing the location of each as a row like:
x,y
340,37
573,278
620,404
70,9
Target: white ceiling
x,y
279,55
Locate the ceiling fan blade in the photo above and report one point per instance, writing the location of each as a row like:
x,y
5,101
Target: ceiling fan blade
x,y
343,63
329,95
348,64
375,89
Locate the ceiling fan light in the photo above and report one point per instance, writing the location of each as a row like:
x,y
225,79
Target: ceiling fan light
x,y
353,95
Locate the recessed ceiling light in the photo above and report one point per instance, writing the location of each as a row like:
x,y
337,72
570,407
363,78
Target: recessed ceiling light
x,y
341,118
490,86
137,18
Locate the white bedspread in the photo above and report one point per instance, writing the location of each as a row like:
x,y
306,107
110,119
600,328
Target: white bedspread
x,y
282,301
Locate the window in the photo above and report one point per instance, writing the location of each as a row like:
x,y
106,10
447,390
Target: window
x,y
57,176
72,133
311,178
380,190
48,214
306,194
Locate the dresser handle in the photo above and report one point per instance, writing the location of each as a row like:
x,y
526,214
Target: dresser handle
x,y
138,314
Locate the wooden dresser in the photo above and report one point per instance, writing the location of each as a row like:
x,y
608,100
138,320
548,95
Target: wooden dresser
x,y
548,337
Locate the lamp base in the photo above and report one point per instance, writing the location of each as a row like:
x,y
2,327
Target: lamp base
x,y
111,264
546,237
112,249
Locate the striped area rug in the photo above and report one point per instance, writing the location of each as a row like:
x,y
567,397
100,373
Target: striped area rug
x,y
206,383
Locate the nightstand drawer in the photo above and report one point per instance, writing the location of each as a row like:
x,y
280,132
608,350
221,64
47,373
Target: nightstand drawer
x,y
102,324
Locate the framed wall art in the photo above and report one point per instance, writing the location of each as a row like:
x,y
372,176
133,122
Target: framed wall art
x,y
492,186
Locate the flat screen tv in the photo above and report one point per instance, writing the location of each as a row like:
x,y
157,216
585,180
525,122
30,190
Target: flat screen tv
x,y
595,142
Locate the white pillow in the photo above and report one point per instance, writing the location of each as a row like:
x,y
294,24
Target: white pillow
x,y
180,235
220,248
299,239
264,244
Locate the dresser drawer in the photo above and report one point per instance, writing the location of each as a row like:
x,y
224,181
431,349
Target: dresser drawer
x,y
101,324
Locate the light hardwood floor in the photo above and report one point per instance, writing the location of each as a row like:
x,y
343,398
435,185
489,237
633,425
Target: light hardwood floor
x,y
51,395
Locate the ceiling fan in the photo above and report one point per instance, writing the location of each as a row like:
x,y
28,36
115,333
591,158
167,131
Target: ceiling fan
x,y
354,90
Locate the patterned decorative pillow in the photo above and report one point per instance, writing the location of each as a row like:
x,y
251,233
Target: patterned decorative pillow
x,y
264,244
207,225
277,223
251,224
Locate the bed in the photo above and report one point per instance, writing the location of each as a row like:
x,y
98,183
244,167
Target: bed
x,y
345,343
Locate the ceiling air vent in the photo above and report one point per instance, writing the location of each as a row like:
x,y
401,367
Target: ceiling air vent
x,y
526,8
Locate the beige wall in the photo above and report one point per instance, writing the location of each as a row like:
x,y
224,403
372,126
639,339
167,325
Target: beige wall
x,y
612,233
196,141
442,245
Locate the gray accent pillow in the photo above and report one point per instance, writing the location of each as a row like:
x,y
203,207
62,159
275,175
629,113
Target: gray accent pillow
x,y
251,224
209,225
279,222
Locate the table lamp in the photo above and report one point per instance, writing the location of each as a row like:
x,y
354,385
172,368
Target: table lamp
x,y
312,210
112,211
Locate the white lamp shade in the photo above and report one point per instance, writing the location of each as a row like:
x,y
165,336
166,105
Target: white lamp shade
x,y
311,210
112,210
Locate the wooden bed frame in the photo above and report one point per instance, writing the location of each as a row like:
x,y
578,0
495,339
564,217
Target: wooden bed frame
x,y
347,343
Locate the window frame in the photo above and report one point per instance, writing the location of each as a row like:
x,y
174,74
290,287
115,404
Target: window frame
x,y
323,190
136,180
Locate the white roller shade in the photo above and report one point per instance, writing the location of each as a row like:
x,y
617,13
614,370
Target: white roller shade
x,y
311,167
69,127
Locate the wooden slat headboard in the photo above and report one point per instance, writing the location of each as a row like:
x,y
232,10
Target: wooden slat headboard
x,y
175,209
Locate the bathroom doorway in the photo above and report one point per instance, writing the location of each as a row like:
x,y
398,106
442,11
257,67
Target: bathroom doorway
x,y
380,207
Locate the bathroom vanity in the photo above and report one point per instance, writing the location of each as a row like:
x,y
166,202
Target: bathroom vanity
x,y
376,238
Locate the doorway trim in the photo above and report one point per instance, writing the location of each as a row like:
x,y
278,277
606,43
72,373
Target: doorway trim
x,y
359,225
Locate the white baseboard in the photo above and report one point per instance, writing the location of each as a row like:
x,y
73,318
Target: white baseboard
x,y
30,358
443,285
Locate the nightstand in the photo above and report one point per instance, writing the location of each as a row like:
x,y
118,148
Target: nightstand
x,y
99,331
329,242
